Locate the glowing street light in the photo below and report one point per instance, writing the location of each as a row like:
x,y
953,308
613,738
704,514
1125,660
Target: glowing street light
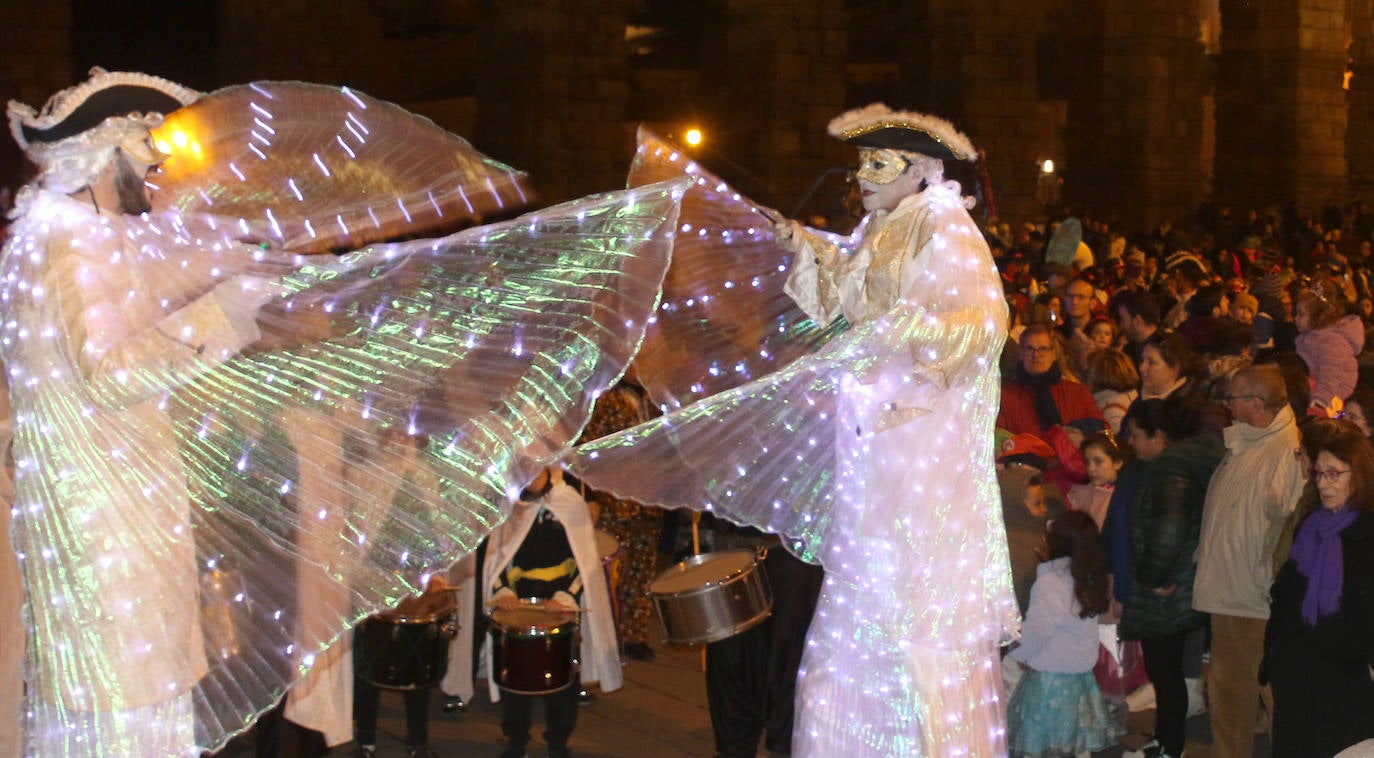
x,y
1047,167
693,137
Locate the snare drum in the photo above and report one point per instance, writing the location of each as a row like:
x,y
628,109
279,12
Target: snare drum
x,y
613,565
533,651
407,648
711,596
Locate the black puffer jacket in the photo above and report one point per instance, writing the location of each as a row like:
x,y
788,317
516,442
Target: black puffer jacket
x,y
1165,525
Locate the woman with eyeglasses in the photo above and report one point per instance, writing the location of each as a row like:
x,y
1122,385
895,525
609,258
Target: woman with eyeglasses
x,y
1319,644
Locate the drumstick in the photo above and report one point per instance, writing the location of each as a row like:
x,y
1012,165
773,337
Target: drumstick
x,y
540,604
696,550
696,532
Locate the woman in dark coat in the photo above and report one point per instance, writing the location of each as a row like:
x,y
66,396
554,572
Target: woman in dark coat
x,y
1319,644
1165,522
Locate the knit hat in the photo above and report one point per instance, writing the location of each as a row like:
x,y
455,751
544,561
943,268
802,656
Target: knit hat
x,y
1245,300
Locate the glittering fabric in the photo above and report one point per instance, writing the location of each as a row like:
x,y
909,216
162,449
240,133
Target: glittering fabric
x,y
874,457
1052,715
724,319
155,363
637,528
314,168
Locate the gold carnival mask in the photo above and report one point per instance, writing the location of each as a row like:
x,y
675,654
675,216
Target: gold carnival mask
x,y
880,165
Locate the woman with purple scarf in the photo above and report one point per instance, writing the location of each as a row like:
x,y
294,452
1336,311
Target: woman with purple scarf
x,y
1319,644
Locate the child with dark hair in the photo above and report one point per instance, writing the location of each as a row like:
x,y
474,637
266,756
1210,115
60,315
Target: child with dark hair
x,y
1103,460
1057,707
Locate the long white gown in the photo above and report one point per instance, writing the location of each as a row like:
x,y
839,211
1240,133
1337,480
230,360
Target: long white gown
x,y
873,457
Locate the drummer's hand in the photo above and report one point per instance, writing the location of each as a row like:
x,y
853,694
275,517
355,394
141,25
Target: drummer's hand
x,y
561,602
507,601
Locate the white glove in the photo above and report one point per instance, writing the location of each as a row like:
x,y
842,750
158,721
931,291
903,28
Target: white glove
x,y
784,229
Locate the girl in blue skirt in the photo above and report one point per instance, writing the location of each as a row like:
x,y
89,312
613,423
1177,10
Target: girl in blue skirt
x,y
1057,709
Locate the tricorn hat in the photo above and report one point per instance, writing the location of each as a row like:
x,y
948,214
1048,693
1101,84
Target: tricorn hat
x,y
76,133
878,126
85,106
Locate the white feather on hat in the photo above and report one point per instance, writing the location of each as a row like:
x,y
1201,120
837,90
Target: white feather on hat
x,y
870,120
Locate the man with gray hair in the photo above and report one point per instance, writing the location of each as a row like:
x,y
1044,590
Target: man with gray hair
x,y
1250,496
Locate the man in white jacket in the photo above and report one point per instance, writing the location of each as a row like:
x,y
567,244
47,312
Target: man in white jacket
x,y
1250,496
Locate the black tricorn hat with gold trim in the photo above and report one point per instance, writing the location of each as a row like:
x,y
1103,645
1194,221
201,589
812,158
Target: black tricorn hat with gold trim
x,y
877,126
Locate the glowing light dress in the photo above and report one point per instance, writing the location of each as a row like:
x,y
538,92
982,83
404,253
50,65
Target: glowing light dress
x,y
155,515
872,456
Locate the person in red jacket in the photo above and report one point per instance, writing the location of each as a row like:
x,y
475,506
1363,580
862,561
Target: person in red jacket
x,y
1038,399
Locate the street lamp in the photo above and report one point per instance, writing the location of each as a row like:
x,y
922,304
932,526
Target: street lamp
x,y
692,137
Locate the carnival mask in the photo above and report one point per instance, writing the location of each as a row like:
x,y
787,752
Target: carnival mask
x,y
881,166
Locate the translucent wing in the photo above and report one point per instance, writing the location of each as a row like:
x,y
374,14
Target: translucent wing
x,y
870,455
209,494
317,168
724,319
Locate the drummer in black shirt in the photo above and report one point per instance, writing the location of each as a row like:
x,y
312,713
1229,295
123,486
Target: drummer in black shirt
x,y
544,566
751,677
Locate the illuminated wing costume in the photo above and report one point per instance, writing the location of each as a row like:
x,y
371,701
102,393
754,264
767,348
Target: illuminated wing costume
x,y
357,170
165,423
724,319
873,456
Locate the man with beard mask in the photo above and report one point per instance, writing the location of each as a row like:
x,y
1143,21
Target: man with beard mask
x,y
130,185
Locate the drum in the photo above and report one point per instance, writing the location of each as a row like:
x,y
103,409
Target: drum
x,y
533,651
711,596
407,648
613,564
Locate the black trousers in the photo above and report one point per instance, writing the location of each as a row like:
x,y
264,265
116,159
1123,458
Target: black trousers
x,y
1164,664
560,715
751,678
367,699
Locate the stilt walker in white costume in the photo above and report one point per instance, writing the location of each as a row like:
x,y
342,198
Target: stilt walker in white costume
x,y
872,456
171,597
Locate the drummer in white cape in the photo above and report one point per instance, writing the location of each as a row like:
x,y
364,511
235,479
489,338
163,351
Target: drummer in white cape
x,y
547,550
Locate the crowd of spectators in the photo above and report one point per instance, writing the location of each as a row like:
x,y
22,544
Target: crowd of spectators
x,y
1205,353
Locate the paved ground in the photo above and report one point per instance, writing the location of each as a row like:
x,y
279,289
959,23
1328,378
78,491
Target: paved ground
x,y
660,713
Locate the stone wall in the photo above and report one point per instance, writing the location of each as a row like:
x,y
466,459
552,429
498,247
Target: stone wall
x,y
36,63
552,91
1117,92
983,77
1359,148
776,72
1136,133
1281,112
